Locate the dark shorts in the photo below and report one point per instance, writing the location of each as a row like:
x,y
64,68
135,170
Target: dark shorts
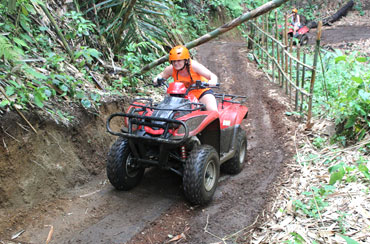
x,y
205,93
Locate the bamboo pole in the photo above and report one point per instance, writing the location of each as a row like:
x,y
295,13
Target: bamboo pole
x,y
317,50
262,39
277,46
250,43
282,57
267,40
224,28
286,48
297,80
290,69
303,81
57,30
272,61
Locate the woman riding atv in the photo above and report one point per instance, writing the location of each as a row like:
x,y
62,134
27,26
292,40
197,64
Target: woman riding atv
x,y
184,69
296,21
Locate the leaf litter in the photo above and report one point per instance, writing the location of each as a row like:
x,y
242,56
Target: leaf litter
x,y
307,208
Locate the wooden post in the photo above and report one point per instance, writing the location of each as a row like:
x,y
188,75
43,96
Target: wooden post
x,y
290,69
286,55
272,61
317,50
297,79
303,77
282,66
267,40
262,39
277,45
251,36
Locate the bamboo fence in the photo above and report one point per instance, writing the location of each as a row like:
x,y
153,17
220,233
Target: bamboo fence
x,y
281,64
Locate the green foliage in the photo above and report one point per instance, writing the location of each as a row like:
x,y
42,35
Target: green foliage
x,y
315,201
235,7
78,26
349,240
358,6
8,51
342,172
297,239
344,94
319,142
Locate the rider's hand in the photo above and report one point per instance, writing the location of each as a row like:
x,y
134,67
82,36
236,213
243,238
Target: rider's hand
x,y
212,82
157,81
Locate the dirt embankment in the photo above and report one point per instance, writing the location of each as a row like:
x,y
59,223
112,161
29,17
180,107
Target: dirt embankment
x,y
39,167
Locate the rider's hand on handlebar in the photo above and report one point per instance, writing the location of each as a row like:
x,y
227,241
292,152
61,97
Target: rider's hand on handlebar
x,y
158,81
201,85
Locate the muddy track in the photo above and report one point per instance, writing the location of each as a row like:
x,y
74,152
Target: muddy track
x,y
96,213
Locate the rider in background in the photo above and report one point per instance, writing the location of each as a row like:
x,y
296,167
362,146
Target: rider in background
x,y
183,69
295,21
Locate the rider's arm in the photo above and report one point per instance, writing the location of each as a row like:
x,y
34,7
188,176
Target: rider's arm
x,y
165,74
203,71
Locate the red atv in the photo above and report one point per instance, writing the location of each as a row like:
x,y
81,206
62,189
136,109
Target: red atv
x,y
301,33
178,134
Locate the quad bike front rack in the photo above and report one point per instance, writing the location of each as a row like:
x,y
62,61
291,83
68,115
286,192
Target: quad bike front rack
x,y
141,120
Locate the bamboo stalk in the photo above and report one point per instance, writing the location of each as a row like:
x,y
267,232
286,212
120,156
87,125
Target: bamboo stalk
x,y
266,39
297,80
57,30
262,39
317,50
272,62
250,43
286,47
277,46
303,77
290,68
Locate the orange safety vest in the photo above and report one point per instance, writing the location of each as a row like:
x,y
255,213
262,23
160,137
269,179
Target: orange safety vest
x,y
188,81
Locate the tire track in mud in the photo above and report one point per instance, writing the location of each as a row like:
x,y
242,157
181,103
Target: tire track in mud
x,y
241,198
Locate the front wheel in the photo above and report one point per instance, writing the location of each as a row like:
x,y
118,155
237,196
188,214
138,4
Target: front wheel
x,y
235,164
201,173
303,40
122,171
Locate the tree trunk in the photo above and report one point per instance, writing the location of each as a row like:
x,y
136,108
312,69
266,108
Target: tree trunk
x,y
339,14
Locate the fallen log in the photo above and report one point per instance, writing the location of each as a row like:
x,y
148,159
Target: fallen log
x,y
339,14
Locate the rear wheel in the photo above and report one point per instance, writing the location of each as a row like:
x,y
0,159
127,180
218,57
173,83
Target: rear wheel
x,y
201,173
235,165
303,40
122,171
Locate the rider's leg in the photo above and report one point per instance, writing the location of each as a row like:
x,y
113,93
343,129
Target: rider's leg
x,y
210,101
295,29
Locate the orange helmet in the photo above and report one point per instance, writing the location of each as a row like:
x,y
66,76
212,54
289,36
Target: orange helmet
x,y
294,10
179,52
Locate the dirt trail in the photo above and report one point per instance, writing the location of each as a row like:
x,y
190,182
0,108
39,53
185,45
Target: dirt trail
x,y
96,213
239,199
